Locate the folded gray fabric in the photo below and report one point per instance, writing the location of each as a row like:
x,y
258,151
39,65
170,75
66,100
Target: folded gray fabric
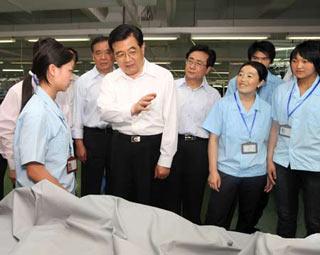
x,y
45,219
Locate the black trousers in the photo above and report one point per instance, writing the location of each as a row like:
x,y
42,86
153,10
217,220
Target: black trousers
x,y
182,191
133,161
245,190
3,167
98,144
288,185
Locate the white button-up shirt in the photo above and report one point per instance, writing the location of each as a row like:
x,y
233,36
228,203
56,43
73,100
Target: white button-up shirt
x,y
194,106
85,105
119,92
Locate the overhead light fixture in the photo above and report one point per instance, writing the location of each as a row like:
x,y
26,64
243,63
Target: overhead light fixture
x,y
220,72
284,48
21,62
12,70
178,70
79,39
229,37
303,37
10,40
160,38
1,62
162,62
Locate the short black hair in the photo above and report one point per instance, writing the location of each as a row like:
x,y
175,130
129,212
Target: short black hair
x,y
204,48
96,40
75,54
266,47
122,32
261,69
309,50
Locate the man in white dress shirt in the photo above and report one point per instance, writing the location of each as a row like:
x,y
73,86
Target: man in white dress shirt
x,y
183,190
92,135
139,100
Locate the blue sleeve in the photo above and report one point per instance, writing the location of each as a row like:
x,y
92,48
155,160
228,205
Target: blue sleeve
x,y
33,137
275,105
213,122
232,86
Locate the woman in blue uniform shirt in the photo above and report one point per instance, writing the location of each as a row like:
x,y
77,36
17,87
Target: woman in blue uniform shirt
x,y
42,142
294,145
239,126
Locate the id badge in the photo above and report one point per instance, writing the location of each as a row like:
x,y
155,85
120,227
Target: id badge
x,y
285,130
71,165
249,148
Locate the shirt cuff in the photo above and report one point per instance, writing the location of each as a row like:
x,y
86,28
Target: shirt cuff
x,y
77,133
165,161
11,163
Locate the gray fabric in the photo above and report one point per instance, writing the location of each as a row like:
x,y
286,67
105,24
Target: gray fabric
x,y
45,219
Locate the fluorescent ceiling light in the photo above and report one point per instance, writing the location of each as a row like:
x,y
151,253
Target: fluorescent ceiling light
x,y
80,39
220,72
303,37
12,70
7,40
1,62
229,37
21,62
161,38
284,48
162,62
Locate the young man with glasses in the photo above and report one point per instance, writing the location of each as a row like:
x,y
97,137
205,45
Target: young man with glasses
x,y
92,135
263,52
182,192
139,100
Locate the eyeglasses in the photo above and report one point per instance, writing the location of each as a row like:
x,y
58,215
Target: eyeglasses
x,y
120,56
195,63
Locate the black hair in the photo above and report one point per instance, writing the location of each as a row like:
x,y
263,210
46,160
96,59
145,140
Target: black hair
x,y
27,89
260,68
75,54
265,47
309,50
96,40
52,53
204,48
122,32
49,51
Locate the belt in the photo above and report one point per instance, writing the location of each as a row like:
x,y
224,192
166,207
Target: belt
x,y
188,138
106,130
136,138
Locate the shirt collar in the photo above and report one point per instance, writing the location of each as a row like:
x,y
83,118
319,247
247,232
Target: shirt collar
x,y
95,72
255,107
148,69
49,101
203,85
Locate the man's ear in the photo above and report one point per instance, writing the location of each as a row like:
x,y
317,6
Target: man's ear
x,y
209,68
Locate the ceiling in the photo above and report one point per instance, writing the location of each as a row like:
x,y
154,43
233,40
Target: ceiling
x,y
27,19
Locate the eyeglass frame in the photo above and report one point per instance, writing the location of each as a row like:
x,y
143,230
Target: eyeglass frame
x,y
197,64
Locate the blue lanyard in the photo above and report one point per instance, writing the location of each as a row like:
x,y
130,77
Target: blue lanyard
x,y
298,105
242,117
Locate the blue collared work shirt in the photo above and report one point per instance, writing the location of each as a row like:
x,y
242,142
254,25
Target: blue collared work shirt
x,y
42,135
224,120
302,149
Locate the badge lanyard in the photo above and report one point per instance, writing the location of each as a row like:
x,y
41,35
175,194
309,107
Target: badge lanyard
x,y
298,105
242,117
